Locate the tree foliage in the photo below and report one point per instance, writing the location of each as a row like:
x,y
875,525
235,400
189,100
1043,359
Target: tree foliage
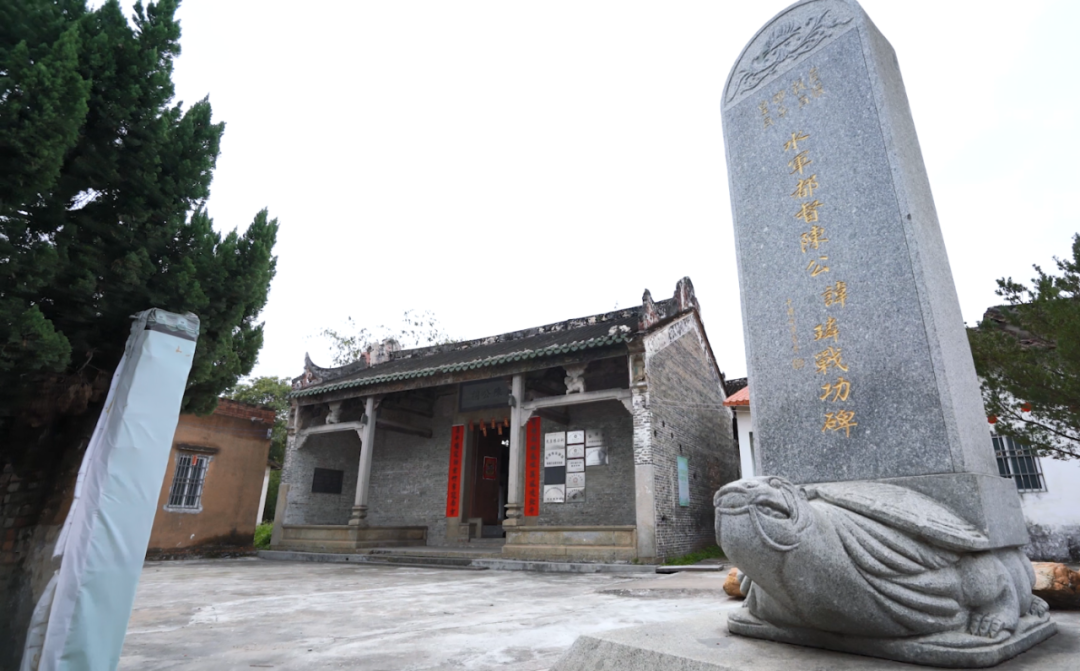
x,y
103,184
269,392
417,329
1027,354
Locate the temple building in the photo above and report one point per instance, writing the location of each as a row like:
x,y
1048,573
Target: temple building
x,y
601,438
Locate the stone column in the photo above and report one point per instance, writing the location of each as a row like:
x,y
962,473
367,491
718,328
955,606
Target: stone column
x,y
514,498
363,476
644,474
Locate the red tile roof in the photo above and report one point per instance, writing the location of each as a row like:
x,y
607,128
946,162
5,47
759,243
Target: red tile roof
x,y
232,408
741,397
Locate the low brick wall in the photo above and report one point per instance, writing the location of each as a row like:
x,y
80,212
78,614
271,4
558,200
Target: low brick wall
x,y
576,543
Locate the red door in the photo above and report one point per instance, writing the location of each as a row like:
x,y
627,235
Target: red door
x,y
490,476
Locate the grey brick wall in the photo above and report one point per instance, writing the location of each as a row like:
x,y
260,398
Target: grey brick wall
x,y
409,474
338,451
609,490
688,419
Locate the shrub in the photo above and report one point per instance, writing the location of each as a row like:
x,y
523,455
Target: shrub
x,y
262,535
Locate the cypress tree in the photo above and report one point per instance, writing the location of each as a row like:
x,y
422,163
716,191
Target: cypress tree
x,y
1027,355
104,179
102,209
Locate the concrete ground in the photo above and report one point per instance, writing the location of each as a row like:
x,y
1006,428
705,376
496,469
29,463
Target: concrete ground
x,y
252,613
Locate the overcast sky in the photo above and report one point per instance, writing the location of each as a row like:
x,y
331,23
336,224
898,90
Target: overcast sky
x,y
510,164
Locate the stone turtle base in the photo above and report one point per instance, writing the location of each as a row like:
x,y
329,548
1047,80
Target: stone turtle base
x,y
952,651
705,644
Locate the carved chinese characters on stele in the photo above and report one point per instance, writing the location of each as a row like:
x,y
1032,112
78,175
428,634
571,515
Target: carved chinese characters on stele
x,y
866,410
867,414
839,250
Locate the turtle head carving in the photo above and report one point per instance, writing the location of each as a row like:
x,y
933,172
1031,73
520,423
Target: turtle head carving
x,y
778,511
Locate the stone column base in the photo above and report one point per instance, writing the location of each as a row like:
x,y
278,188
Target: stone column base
x,y
358,517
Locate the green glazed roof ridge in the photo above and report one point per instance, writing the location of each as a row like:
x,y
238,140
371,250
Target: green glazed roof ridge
x,y
560,348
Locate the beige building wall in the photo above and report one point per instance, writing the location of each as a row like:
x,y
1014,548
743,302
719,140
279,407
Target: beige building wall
x,y
235,441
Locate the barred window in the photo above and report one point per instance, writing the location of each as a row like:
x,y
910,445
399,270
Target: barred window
x,y
1019,462
187,482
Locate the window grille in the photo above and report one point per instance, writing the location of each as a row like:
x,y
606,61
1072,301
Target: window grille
x,y
187,482
1019,462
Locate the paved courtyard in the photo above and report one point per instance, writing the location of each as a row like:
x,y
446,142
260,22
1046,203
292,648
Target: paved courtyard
x,y
252,613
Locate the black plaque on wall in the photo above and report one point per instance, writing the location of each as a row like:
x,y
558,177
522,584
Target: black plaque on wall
x,y
483,394
326,481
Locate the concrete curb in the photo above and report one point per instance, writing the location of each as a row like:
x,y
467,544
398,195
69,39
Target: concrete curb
x,y
560,567
454,563
692,568
371,560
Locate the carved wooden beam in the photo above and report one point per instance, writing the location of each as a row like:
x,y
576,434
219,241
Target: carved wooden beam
x,y
548,402
302,435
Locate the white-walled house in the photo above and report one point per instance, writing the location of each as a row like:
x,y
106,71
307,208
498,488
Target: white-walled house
x,y
1049,488
739,402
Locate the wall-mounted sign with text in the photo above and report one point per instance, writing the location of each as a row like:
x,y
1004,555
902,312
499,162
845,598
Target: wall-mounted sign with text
x,y
483,394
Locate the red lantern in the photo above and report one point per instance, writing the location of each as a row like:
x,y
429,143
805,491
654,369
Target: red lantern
x,y
992,419
1026,407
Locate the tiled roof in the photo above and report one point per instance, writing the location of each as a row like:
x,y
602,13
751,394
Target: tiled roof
x,y
385,363
233,408
734,384
739,398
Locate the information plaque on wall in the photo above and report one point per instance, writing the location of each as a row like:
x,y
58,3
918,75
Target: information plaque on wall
x,y
566,454
684,482
554,493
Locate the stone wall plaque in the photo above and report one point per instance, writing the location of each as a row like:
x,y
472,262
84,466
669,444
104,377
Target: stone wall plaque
x,y
596,456
683,468
575,465
575,451
483,394
575,495
556,439
575,437
575,479
594,437
554,493
555,456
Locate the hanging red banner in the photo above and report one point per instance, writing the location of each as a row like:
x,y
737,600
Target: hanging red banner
x,y
453,483
532,467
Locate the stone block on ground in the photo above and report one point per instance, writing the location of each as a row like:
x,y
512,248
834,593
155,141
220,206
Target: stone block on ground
x,y
1057,584
731,585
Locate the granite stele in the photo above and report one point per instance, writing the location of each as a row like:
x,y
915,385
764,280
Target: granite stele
x,y
882,526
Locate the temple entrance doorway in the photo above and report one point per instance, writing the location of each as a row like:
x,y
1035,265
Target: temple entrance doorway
x,y
491,472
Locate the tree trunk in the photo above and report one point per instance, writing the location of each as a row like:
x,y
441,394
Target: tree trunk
x,y
38,471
